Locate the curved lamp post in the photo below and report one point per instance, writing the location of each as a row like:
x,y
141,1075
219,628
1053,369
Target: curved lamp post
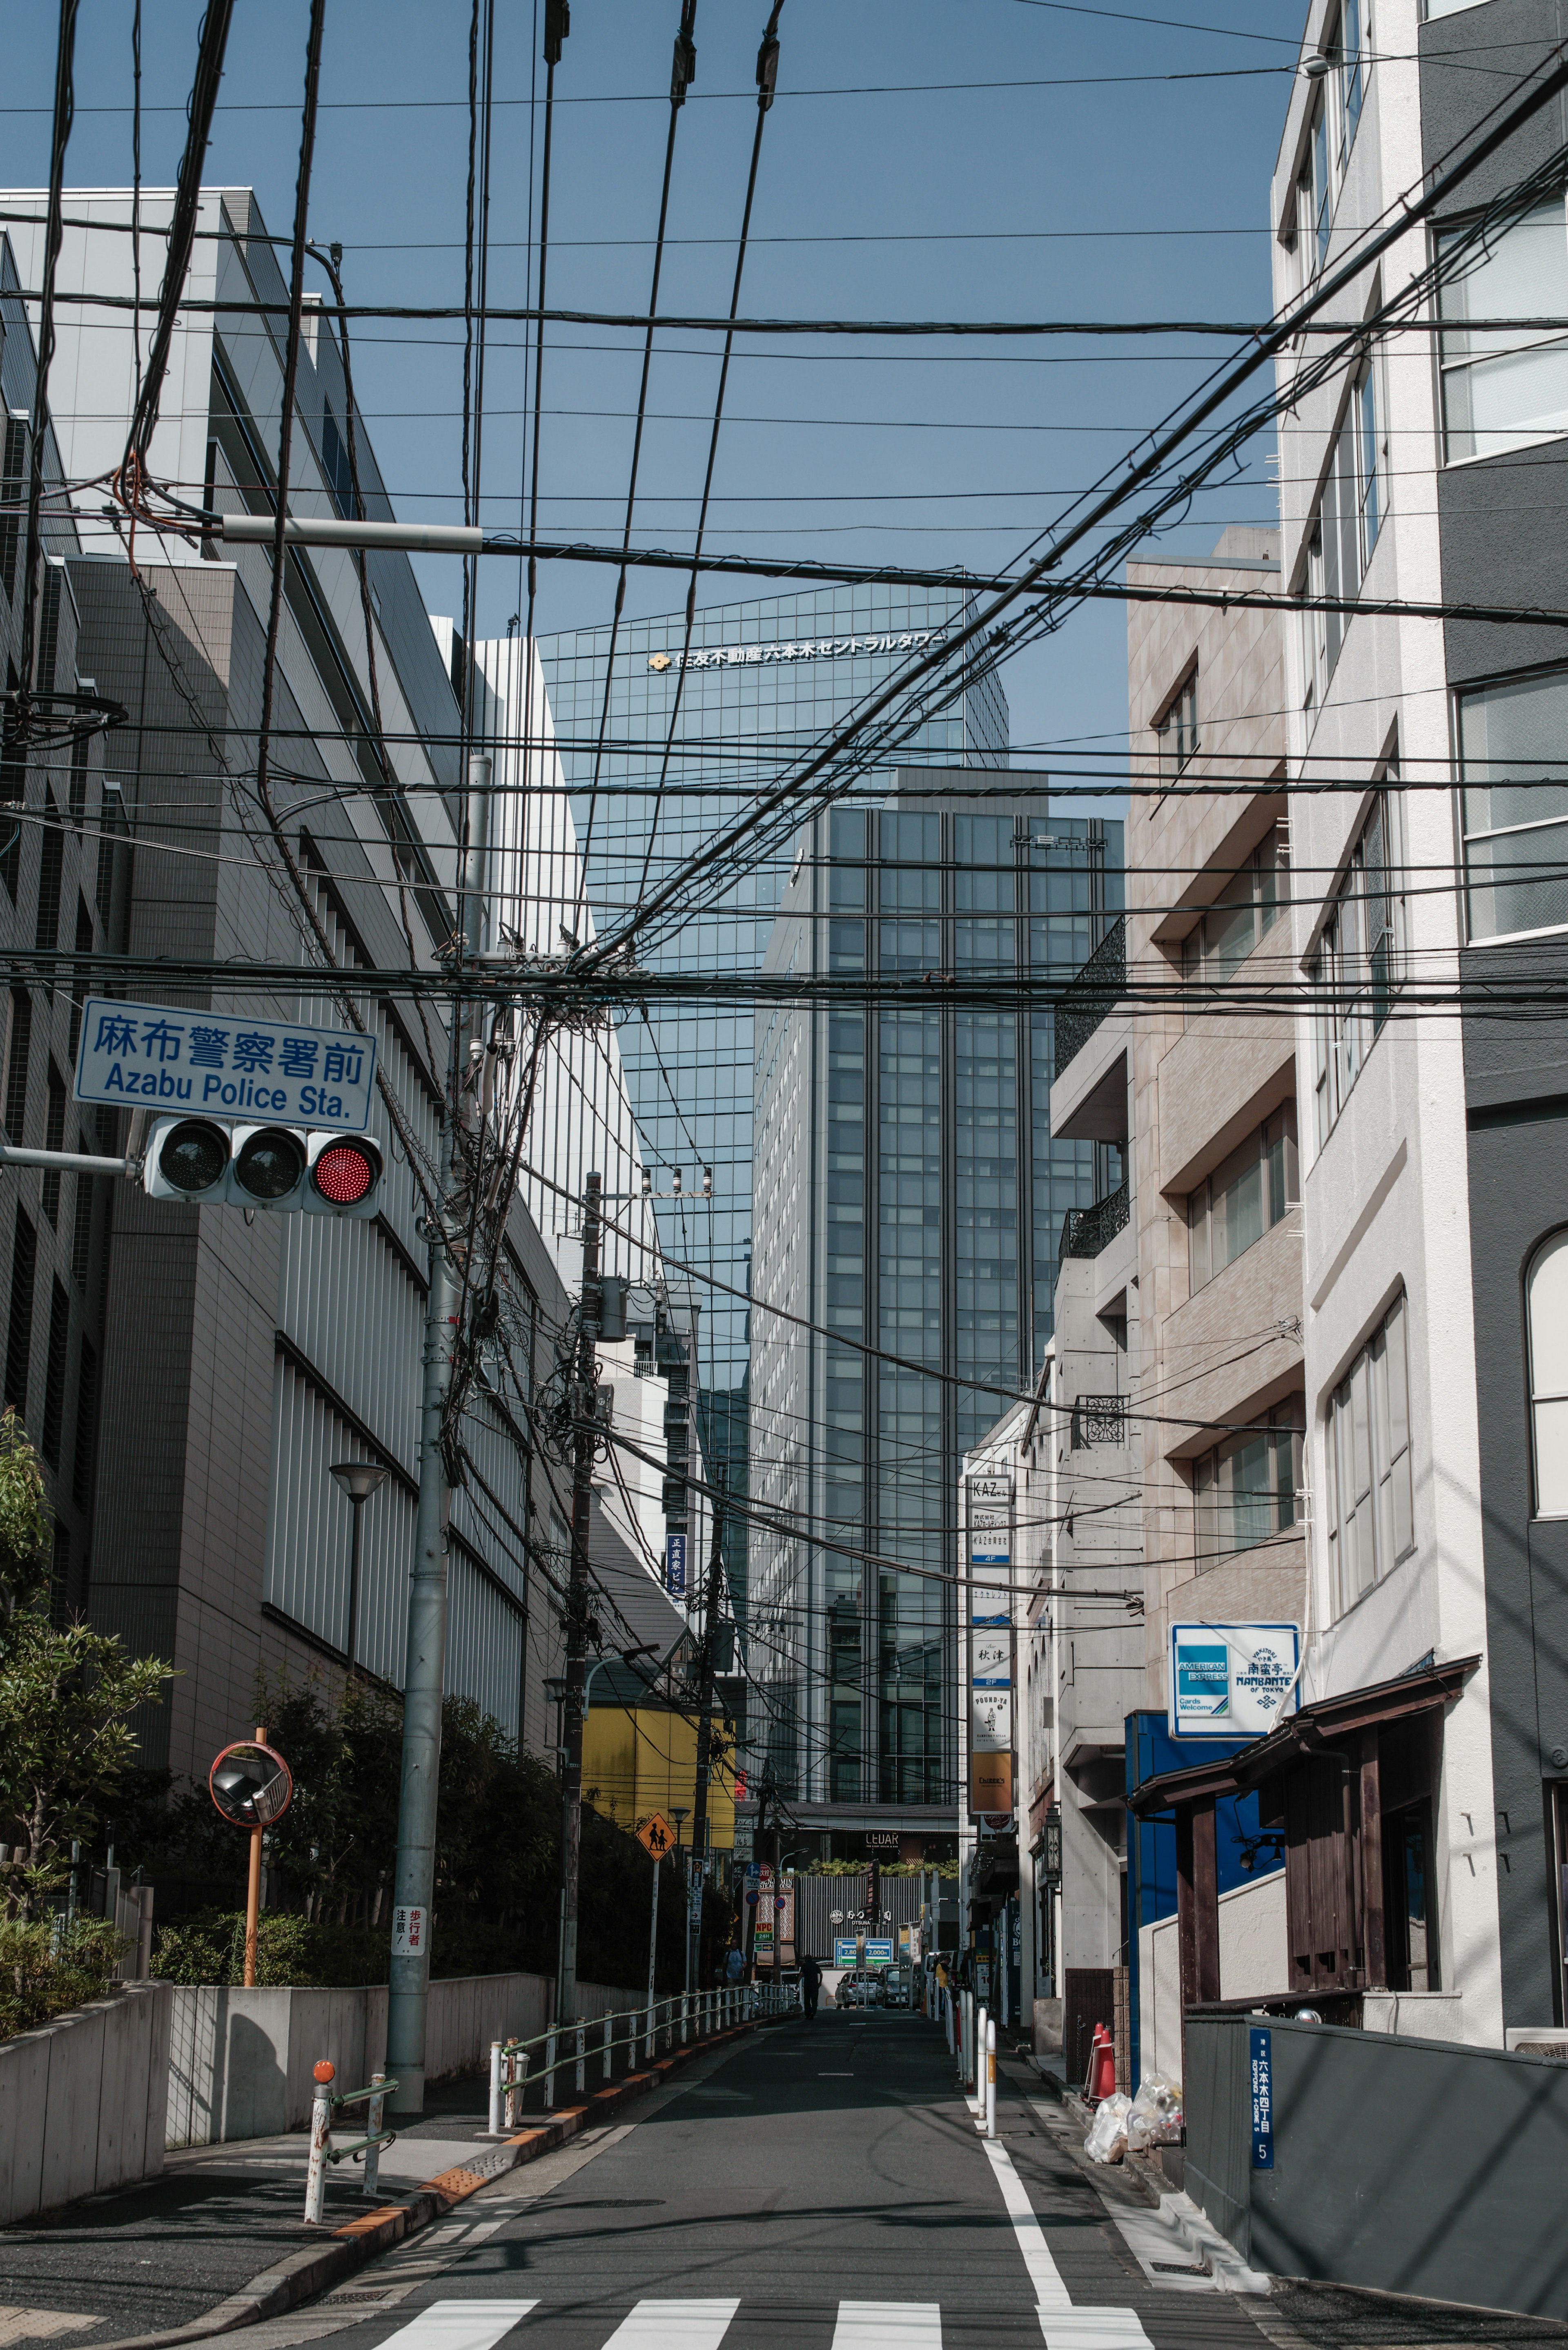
x,y
358,1480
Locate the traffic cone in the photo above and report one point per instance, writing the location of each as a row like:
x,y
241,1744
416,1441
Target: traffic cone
x,y
1103,2067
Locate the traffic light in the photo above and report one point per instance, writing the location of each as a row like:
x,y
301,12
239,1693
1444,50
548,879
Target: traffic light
x,y
276,1168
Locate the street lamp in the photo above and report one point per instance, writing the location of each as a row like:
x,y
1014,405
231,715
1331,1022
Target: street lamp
x,y
358,1480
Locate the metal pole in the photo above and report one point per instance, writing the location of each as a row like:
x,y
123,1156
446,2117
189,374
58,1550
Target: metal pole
x,y
356,1505
709,1658
373,2132
653,1953
577,1604
424,1671
991,2076
494,2130
252,1890
320,2139
550,2070
778,1911
609,2068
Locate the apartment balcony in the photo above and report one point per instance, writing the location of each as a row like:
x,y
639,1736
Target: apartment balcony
x,y
1085,1231
1104,1236
1093,1043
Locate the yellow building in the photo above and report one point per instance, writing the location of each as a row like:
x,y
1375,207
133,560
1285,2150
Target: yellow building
x,y
638,1760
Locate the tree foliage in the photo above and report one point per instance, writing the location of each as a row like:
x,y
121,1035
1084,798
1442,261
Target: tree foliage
x,y
66,1694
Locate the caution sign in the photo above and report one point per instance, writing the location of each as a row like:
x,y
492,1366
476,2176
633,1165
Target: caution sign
x,y
656,1836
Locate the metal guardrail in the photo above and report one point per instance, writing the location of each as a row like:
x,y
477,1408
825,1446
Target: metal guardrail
x,y
1093,993
322,2150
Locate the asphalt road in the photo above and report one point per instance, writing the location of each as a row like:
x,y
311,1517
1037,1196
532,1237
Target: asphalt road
x,y
813,2187
820,2188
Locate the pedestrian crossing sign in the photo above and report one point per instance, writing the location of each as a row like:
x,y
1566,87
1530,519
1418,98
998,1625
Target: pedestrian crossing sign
x,y
656,1836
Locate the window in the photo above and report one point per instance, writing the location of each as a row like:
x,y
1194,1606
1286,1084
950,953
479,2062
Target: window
x,y
12,479
1177,730
1370,1512
1245,1491
1343,532
1504,387
1546,1313
1247,1195
1352,78
55,1375
17,1067
335,465
1320,184
1409,1925
19,1334
1514,805
1357,964
1244,910
46,933
54,1139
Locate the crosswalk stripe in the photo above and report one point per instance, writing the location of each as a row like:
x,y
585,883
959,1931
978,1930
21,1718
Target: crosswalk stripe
x,y
674,2326
459,2325
889,2326
1093,2329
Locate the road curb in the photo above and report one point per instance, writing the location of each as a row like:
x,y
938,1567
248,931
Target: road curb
x,y
317,2266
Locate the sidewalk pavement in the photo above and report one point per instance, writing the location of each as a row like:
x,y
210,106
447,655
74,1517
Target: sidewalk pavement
x,y
220,2240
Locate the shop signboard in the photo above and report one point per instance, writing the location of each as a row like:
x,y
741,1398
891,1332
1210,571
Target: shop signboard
x,y
1230,1680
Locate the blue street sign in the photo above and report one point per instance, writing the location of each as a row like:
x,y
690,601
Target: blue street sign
x,y
224,1065
1262,2095
675,1563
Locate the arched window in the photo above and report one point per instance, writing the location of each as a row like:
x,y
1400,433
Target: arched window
x,y
1547,1296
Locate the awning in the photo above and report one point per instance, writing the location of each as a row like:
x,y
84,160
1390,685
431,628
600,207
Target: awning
x,y
1305,1733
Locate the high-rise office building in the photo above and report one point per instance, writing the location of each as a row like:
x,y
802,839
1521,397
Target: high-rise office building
x,y
909,1203
670,746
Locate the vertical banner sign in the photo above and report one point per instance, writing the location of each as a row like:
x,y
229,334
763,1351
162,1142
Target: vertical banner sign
x,y
989,1551
675,1565
1262,2095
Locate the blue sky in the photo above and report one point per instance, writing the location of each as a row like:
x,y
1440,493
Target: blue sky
x,y
1076,181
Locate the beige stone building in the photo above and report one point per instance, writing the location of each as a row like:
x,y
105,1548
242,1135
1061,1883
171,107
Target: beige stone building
x,y
1204,1106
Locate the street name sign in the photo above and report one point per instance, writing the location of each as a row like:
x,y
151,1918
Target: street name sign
x,y
225,1066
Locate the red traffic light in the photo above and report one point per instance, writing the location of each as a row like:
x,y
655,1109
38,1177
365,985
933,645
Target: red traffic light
x,y
343,1173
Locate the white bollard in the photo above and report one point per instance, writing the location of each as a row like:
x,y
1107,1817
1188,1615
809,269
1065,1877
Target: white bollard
x,y
648,2043
496,2088
550,2069
373,2131
320,2140
977,2054
609,2025
516,2086
990,2078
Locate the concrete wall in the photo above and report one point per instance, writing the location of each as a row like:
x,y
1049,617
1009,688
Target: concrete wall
x,y
240,2062
82,2102
1408,2166
1253,1954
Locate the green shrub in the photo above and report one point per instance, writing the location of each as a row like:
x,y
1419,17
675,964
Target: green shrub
x,y
40,1977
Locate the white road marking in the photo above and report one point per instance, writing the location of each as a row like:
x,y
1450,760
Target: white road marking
x,y
674,2326
460,2325
1063,2328
15,2323
889,2326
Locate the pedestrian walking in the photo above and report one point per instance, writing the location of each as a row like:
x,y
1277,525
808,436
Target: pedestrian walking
x,y
810,1986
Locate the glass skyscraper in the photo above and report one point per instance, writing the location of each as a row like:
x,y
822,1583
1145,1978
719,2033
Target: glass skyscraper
x,y
763,681
909,1201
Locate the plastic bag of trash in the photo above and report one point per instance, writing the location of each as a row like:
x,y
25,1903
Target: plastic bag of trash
x,y
1154,2116
1107,2138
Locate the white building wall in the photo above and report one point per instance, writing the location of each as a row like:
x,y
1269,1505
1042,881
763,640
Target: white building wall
x,y
1385,1199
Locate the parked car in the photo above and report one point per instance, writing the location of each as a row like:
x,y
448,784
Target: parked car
x,y
897,1986
858,1990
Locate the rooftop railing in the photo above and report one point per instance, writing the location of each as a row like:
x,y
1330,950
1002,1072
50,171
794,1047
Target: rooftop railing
x,y
1095,991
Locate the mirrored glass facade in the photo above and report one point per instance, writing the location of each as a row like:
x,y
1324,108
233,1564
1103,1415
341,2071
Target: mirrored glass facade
x,y
909,1198
764,680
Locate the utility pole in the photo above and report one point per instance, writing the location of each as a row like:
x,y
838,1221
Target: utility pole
x,y
424,1672
705,1742
585,1418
